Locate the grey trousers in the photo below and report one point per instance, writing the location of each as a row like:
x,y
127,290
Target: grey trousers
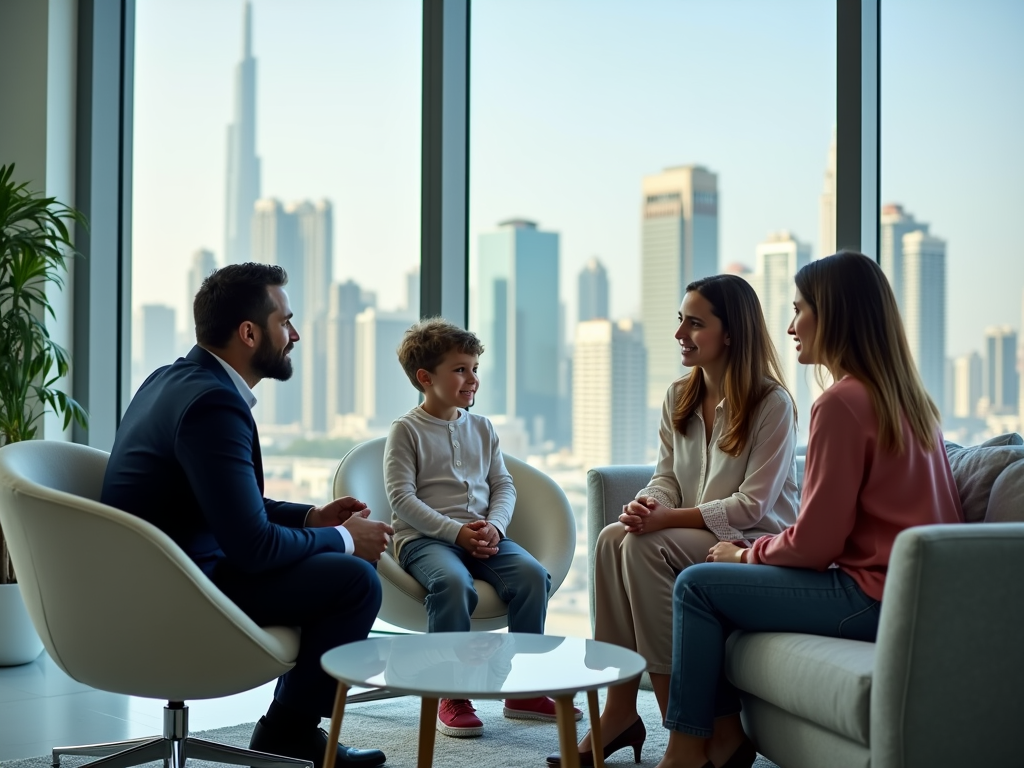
x,y
634,575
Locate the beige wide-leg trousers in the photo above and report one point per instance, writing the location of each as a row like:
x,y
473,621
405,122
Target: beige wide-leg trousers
x,y
634,575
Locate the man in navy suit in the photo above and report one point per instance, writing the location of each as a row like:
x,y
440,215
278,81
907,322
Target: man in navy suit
x,y
187,459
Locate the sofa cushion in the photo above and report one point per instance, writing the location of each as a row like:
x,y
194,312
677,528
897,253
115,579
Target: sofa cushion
x,y
976,469
822,679
1006,502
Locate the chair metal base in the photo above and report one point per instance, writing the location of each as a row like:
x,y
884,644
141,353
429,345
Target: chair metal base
x,y
371,694
174,747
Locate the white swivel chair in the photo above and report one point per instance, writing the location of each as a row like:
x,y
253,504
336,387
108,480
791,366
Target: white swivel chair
x,y
120,607
543,523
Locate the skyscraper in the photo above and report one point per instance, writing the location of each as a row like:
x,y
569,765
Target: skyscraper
x,y
827,215
609,393
412,291
154,340
299,237
778,259
519,321
679,245
1000,378
346,302
243,171
593,291
1020,364
967,385
314,225
382,390
203,263
895,223
924,308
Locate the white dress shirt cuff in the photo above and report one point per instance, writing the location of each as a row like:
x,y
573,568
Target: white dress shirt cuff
x,y
717,521
658,494
350,545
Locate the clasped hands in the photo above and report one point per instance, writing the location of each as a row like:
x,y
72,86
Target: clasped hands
x,y
644,515
370,537
647,514
480,538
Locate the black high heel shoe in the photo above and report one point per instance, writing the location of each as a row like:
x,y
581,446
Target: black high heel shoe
x,y
743,757
634,737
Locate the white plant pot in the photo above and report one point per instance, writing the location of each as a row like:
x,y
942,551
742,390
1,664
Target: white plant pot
x,y
19,643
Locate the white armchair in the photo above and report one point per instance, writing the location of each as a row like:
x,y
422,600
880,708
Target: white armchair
x,y
542,523
120,607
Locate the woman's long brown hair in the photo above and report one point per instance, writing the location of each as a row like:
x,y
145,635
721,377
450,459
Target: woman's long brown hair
x,y
752,368
860,332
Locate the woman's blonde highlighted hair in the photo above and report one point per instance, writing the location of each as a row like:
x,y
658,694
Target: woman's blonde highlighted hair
x,y
752,369
860,332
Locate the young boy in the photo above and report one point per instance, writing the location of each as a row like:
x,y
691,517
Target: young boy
x,y
452,500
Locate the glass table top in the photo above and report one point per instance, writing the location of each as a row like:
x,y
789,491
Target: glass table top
x,y
482,665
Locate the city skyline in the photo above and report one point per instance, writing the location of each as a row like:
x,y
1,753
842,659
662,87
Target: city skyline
x,y
243,154
311,147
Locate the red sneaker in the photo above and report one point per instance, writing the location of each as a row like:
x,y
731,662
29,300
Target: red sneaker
x,y
540,708
456,717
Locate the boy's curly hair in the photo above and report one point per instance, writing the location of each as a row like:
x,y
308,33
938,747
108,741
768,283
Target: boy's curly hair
x,y
426,343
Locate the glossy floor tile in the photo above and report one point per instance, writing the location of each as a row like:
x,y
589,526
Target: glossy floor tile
x,y
41,707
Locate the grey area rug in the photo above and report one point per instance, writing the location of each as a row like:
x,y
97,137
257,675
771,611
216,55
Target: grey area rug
x,y
392,725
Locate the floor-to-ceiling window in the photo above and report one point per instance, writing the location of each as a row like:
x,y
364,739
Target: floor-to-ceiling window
x,y
288,133
618,152
952,164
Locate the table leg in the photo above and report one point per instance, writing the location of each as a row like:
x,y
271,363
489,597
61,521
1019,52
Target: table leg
x,y
428,730
595,728
567,732
331,752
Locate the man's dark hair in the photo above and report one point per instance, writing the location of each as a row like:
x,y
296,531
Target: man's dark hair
x,y
426,343
230,296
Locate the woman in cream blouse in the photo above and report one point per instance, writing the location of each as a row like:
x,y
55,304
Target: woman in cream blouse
x,y
726,472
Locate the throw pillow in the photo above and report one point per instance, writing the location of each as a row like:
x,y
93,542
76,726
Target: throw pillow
x,y
1010,438
1006,504
976,469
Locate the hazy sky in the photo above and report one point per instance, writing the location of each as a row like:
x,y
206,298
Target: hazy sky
x,y
572,103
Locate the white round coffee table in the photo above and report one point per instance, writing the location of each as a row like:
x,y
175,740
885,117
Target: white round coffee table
x,y
482,665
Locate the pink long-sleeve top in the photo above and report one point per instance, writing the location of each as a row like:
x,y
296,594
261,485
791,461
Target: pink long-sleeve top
x,y
855,497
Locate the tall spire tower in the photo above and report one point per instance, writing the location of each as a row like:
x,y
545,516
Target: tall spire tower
x,y
827,222
243,178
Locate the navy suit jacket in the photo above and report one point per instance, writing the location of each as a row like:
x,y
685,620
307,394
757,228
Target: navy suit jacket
x,y
187,459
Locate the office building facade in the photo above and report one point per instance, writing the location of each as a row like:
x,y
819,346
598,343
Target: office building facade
x,y
518,321
679,244
592,287
382,390
1001,377
609,393
924,308
778,258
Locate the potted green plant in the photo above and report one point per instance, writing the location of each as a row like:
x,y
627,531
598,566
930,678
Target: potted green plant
x,y
35,244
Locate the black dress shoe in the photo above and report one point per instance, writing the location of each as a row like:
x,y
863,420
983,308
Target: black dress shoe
x,y
634,736
310,745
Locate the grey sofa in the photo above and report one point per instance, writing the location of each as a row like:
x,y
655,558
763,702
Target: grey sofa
x,y
943,685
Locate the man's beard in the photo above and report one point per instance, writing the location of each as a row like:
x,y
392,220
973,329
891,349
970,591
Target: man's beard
x,y
271,364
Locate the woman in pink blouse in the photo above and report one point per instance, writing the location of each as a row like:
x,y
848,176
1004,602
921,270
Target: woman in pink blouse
x,y
726,470
875,466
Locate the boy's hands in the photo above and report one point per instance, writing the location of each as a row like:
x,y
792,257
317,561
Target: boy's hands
x,y
479,538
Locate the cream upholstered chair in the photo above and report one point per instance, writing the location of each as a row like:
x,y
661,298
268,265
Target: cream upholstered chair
x,y
542,523
120,607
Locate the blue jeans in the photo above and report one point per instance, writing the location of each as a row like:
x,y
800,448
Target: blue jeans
x,y
447,571
712,599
